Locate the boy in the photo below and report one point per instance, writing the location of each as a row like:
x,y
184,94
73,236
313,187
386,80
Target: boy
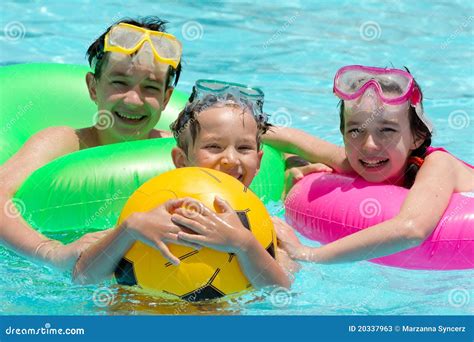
x,y
131,83
220,128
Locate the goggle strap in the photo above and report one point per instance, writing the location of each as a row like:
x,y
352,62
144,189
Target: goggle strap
x,y
415,98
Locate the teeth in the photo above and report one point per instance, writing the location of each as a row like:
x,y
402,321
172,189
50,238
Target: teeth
x,y
374,162
130,117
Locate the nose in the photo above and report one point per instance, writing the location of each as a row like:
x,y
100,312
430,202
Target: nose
x,y
230,157
370,144
133,98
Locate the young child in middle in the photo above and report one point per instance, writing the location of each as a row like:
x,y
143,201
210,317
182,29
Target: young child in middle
x,y
220,128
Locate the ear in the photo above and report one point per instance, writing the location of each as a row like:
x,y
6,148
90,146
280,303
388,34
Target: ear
x,y
179,157
259,156
168,93
417,142
92,86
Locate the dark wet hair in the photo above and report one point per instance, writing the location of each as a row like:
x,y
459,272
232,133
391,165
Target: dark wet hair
x,y
96,50
188,119
418,129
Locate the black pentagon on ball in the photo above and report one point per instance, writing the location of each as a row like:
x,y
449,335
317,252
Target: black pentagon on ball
x,y
125,273
242,214
271,250
207,292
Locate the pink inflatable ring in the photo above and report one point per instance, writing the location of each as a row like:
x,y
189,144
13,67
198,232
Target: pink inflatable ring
x,y
326,207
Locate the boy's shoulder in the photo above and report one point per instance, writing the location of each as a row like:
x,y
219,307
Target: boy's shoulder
x,y
158,133
63,135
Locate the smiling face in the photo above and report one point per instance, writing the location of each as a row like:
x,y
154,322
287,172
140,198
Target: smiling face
x,y
226,141
378,138
132,94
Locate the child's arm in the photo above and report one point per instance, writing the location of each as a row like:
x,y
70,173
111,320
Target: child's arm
x,y
15,232
420,213
309,147
154,228
224,232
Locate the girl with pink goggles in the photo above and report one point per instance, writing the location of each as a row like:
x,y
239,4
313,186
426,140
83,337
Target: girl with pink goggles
x,y
393,86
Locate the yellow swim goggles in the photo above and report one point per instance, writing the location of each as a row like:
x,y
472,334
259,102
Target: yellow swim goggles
x,y
127,38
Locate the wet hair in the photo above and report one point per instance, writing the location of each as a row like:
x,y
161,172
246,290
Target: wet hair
x,y
96,50
188,119
418,129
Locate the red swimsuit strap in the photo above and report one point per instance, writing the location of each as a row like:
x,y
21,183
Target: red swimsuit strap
x,y
418,161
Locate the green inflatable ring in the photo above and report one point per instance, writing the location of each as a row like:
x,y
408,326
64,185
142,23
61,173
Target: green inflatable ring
x,y
88,189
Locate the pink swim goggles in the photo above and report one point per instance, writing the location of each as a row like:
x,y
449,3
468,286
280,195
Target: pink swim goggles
x,y
393,86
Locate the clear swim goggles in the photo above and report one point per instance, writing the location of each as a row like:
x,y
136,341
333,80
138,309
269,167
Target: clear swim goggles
x,y
393,86
208,93
220,91
127,39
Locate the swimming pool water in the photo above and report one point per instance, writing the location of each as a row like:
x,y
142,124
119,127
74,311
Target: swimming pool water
x,y
292,51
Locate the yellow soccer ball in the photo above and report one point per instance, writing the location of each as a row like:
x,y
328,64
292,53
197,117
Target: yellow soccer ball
x,y
202,274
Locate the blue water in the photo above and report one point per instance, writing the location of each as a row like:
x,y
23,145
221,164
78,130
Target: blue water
x,y
292,51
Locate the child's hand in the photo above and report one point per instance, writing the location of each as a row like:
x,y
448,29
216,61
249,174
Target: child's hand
x,y
156,229
222,231
287,238
285,261
295,174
